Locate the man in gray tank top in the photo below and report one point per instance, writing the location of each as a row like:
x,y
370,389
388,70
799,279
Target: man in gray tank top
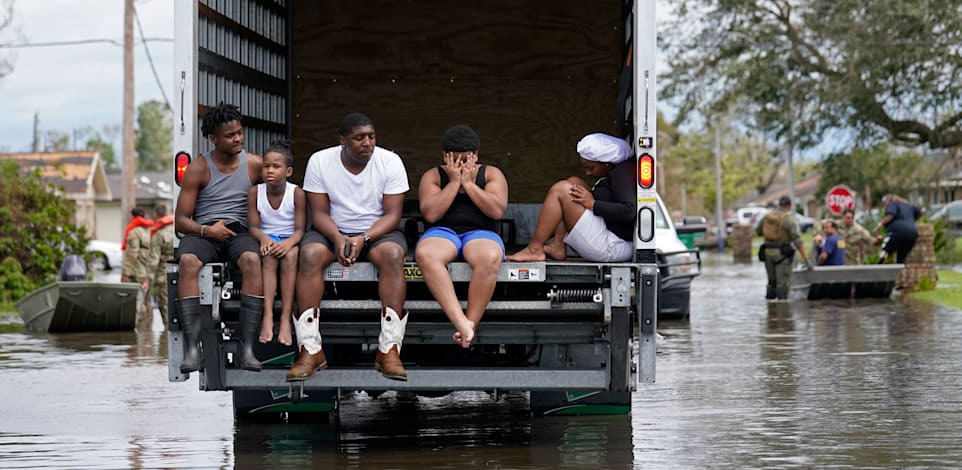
x,y
211,212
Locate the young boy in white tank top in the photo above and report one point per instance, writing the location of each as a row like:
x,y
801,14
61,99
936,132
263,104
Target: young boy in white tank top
x,y
277,214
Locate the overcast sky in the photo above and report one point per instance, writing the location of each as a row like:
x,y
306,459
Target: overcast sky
x,y
80,85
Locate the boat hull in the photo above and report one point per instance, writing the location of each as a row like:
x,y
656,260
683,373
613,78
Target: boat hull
x,y
844,282
69,306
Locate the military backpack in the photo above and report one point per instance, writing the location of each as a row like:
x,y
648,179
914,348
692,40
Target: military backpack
x,y
772,227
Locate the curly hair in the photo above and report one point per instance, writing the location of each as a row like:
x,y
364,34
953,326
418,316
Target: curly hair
x,y
460,138
283,147
218,115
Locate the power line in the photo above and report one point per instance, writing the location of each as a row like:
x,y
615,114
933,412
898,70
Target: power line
x,y
79,42
150,59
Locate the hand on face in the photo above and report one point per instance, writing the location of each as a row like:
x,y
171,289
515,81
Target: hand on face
x,y
452,166
469,169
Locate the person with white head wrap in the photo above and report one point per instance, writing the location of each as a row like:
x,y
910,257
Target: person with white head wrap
x,y
595,221
604,148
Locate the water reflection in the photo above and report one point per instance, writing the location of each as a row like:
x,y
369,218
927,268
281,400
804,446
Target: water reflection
x,y
743,384
462,429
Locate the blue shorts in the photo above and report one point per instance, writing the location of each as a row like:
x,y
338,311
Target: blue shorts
x,y
459,240
277,238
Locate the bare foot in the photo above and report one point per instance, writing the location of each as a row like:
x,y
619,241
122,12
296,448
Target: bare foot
x,y
284,332
267,329
528,254
556,251
465,334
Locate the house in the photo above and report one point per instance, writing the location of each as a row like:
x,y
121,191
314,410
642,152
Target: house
x,y
80,174
97,192
805,197
152,188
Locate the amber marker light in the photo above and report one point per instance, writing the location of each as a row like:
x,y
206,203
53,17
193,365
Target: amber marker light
x,y
646,171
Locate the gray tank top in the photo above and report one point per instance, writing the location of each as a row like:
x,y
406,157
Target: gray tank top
x,y
225,196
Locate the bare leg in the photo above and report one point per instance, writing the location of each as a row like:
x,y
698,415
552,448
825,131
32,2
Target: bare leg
x,y
557,211
188,270
432,255
288,283
389,260
269,271
557,249
250,266
484,257
313,258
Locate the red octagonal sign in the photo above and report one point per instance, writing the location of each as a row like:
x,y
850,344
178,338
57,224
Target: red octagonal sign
x,y
839,198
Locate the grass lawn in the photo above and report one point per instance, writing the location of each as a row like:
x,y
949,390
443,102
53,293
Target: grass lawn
x,y
949,291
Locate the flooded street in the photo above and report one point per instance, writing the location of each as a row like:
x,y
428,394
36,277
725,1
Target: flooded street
x,y
743,384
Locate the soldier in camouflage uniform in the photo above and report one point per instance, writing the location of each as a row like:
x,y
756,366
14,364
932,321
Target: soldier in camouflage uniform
x,y
857,238
136,248
781,235
161,250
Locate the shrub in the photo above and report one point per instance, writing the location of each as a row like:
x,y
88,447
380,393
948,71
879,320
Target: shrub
x,y
37,230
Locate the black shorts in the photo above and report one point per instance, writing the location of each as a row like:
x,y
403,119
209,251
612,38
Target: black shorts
x,y
397,236
900,245
210,251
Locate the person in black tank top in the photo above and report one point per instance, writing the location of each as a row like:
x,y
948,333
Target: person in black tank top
x,y
462,202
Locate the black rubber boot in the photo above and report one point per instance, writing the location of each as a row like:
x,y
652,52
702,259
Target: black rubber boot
x,y
192,321
252,309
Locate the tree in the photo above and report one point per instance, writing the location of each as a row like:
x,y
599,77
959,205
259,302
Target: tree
x,y
30,206
56,141
883,68
154,127
881,168
7,29
103,142
747,164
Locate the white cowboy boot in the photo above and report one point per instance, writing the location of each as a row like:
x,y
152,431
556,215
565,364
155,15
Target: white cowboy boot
x,y
388,358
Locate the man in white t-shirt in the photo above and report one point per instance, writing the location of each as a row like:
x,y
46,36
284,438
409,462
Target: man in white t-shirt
x,y
356,194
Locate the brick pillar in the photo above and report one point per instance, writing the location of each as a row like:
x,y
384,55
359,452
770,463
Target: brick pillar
x,y
741,241
921,260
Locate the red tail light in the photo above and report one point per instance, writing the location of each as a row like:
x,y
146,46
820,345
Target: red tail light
x,y
181,160
646,171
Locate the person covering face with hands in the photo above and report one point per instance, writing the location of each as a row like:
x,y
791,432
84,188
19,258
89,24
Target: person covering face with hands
x,y
462,201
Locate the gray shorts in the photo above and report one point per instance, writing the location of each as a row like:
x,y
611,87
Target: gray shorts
x,y
211,251
313,236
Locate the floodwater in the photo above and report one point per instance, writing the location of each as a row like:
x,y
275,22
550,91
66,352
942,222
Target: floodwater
x,y
743,384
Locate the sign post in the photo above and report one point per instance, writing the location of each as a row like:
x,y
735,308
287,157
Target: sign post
x,y
839,198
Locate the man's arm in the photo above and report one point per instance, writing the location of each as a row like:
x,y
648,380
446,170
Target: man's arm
x,y
255,168
389,222
195,178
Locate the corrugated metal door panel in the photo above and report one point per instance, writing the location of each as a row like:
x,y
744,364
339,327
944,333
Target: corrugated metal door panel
x,y
243,59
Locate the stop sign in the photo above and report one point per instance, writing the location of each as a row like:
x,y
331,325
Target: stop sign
x,y
839,198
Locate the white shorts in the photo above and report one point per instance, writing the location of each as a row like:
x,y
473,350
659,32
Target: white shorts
x,y
594,242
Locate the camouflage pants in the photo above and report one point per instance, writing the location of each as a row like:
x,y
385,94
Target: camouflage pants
x,y
779,274
159,290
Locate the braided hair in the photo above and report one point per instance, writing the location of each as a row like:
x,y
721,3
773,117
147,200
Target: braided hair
x,y
283,147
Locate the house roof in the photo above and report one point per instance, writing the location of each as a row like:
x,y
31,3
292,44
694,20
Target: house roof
x,y
804,190
151,186
80,173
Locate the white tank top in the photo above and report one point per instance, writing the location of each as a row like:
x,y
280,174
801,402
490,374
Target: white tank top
x,y
278,221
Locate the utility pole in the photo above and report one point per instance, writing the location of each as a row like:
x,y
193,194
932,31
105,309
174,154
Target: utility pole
x,y
36,131
790,144
719,215
129,200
